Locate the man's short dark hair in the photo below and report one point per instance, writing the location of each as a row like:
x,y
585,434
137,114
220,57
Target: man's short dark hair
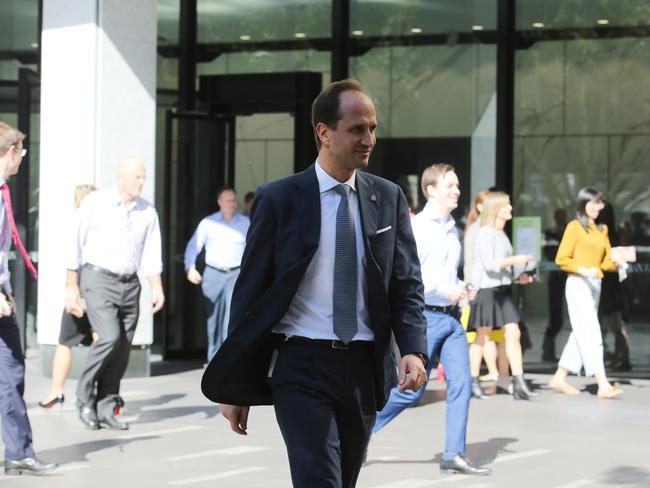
x,y
325,108
225,188
249,196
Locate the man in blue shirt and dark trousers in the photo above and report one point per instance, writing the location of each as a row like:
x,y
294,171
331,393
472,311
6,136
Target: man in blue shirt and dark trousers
x,y
223,234
439,250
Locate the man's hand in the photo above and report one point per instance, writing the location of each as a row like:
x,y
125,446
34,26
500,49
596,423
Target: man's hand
x,y
73,300
237,416
157,298
193,276
412,374
5,306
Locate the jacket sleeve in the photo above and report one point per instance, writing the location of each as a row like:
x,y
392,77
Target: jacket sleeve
x,y
564,257
406,291
256,272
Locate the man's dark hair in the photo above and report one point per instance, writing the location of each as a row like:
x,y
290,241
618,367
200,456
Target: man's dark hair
x,y
249,196
325,108
225,188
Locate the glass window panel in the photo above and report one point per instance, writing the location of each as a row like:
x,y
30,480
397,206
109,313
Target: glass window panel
x,y
415,17
18,36
562,14
263,20
580,121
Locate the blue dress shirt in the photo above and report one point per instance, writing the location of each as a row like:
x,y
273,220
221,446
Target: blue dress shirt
x,y
439,251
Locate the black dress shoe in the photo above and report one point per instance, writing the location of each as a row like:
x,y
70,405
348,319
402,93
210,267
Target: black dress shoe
x,y
461,465
31,466
88,415
112,423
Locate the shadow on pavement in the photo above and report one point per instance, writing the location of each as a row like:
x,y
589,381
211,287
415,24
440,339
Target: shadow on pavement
x,y
628,475
77,453
175,412
486,452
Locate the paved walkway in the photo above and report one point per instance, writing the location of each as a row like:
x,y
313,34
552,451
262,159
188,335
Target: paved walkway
x,y
177,439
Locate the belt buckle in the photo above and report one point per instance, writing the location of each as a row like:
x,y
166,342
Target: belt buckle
x,y
336,344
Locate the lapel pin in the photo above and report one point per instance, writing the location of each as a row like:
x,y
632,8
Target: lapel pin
x,y
373,198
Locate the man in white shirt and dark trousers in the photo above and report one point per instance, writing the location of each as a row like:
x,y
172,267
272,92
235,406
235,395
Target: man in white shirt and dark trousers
x,y
223,234
115,233
16,431
439,250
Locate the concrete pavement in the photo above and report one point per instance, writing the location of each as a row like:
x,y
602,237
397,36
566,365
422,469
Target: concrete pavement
x,y
177,439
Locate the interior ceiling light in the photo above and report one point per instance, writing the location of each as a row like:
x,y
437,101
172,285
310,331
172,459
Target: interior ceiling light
x,y
477,27
357,32
416,30
300,35
603,21
538,25
245,38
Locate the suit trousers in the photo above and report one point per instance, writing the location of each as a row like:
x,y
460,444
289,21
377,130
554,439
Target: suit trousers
x,y
217,287
585,345
113,308
325,406
447,341
16,431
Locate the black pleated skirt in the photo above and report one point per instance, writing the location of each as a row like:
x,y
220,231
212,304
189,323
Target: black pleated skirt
x,y
493,307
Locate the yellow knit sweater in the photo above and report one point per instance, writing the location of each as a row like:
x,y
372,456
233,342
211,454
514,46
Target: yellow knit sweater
x,y
584,248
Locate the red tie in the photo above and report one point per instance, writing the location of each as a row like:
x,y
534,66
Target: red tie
x,y
6,197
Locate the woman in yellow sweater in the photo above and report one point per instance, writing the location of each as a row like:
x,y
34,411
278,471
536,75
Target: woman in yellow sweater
x,y
584,253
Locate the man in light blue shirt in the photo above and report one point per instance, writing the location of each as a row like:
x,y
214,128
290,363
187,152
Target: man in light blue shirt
x,y
439,251
223,234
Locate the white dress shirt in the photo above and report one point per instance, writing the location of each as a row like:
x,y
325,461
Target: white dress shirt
x,y
224,241
310,313
120,239
5,244
439,252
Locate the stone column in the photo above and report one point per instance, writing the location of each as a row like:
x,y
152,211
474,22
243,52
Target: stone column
x,y
98,102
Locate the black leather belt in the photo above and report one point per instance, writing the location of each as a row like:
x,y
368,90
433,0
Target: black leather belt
x,y
224,270
122,278
452,310
333,343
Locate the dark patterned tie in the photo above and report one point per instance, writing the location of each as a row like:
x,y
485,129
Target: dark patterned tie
x,y
345,269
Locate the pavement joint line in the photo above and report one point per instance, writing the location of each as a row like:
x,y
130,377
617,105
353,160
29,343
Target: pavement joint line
x,y
421,483
521,455
160,432
210,477
478,485
231,451
576,484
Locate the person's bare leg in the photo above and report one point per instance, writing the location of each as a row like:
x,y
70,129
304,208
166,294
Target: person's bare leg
x,y
503,365
476,350
61,363
605,388
490,358
513,348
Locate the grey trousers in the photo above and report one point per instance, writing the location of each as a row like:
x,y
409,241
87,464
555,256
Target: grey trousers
x,y
113,309
217,288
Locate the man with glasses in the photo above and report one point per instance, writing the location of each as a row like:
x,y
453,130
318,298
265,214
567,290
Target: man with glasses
x,y
16,431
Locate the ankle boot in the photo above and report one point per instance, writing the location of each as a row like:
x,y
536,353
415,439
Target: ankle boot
x,y
520,389
477,390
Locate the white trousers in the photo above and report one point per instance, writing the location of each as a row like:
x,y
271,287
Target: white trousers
x,y
585,345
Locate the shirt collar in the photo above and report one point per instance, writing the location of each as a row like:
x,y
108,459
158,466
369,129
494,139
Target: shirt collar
x,y
431,212
117,199
326,182
2,181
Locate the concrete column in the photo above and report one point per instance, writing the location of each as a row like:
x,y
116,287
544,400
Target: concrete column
x,y
98,102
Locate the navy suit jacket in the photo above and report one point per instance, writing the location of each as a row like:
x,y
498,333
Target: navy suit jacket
x,y
283,236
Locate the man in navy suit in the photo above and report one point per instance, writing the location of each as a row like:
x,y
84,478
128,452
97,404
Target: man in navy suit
x,y
330,272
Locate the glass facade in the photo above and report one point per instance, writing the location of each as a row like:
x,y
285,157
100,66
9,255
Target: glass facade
x,y
581,77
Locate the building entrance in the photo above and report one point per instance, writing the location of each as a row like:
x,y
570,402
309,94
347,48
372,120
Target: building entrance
x,y
248,129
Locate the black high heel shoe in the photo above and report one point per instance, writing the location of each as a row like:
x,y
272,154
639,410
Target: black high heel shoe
x,y
57,399
520,390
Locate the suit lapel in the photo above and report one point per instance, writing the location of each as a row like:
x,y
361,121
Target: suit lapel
x,y
368,205
306,201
